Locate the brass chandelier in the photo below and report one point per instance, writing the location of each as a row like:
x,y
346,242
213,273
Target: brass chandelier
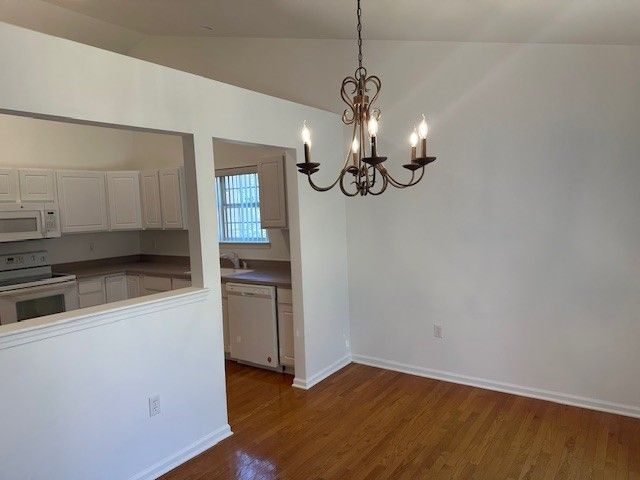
x,y
362,174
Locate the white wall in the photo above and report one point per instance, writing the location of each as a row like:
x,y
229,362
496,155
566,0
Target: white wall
x,y
96,379
521,241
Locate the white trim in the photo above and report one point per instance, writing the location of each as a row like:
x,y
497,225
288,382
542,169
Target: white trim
x,y
557,397
306,384
42,328
172,461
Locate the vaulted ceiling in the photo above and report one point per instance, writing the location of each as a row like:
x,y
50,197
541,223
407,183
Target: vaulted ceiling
x,y
519,21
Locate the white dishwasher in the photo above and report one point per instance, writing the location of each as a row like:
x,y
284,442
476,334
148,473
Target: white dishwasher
x,y
253,324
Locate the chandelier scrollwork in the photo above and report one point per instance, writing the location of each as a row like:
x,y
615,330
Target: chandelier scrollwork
x,y
363,174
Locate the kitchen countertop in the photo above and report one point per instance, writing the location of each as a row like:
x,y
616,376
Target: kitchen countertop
x,y
157,269
175,267
277,278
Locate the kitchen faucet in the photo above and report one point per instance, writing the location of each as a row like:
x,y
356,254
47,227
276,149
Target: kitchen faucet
x,y
232,257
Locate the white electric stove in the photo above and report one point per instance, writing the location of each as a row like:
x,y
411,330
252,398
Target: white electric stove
x,y
30,289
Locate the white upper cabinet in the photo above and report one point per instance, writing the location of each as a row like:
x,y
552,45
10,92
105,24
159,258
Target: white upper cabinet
x,y
37,185
124,200
83,202
8,185
171,198
273,205
151,209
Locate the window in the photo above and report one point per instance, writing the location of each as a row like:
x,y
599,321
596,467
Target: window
x,y
237,194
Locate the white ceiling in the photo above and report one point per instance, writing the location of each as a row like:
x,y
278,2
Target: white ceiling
x,y
554,21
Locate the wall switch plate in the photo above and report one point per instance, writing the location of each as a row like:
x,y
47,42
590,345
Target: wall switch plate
x,y
154,405
437,331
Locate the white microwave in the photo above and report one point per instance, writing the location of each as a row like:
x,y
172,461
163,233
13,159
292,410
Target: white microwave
x,y
28,221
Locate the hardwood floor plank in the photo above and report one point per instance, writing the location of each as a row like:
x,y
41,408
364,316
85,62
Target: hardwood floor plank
x,y
365,423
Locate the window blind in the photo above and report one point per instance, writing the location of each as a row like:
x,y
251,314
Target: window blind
x,y
238,198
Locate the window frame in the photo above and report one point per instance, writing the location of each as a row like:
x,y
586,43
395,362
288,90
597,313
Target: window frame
x,y
225,172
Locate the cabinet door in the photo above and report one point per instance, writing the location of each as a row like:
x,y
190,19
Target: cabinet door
x,y
91,292
124,200
151,285
37,185
150,189
285,334
83,202
115,287
170,198
225,325
8,185
133,286
273,205
179,283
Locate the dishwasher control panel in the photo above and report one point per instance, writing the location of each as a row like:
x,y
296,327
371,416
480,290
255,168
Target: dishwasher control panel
x,y
246,290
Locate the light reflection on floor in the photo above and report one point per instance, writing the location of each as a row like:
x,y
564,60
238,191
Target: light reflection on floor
x,y
249,467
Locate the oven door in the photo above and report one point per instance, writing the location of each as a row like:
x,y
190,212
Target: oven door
x,y
20,225
23,304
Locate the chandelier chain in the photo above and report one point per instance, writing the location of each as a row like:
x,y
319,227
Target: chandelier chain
x,y
359,13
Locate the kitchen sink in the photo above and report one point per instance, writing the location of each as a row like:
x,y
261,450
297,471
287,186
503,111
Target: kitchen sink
x,y
233,271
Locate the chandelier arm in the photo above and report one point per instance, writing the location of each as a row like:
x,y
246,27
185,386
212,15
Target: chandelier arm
x,y
412,181
344,190
385,183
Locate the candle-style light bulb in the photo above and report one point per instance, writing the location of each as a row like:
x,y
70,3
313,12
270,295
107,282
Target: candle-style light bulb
x,y
355,145
423,128
413,141
306,134
306,138
373,126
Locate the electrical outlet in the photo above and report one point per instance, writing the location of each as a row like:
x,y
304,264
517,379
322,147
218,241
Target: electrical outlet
x,y
154,405
92,246
437,331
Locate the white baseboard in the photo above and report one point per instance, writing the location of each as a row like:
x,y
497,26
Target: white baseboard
x,y
557,397
306,384
187,453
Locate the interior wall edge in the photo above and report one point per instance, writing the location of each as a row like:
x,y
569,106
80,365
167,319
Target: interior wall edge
x,y
307,383
187,453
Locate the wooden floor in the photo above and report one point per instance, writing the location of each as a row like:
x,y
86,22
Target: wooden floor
x,y
367,423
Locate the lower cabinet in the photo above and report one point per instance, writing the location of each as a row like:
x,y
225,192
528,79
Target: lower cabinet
x,y
113,288
133,286
151,285
285,327
177,283
91,292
